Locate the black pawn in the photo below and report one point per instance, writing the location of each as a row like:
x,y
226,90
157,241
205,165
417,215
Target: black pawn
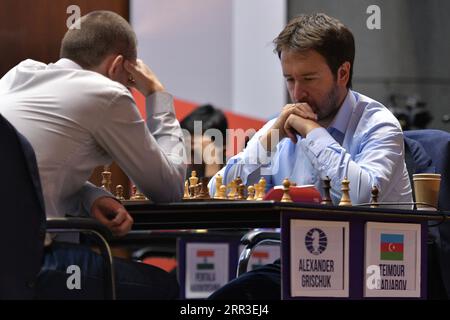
x,y
326,199
374,200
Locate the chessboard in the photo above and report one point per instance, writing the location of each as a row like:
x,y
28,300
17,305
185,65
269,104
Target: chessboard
x,y
196,189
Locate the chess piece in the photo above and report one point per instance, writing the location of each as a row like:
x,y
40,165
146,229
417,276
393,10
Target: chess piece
x,y
286,196
345,200
119,192
326,184
204,191
222,192
251,193
186,194
139,195
193,191
257,191
193,179
133,192
136,194
219,180
374,199
233,189
262,188
106,179
240,192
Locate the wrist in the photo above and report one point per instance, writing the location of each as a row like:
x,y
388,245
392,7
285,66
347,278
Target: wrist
x,y
270,139
154,88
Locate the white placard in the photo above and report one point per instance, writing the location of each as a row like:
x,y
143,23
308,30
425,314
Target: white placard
x,y
207,268
319,258
392,260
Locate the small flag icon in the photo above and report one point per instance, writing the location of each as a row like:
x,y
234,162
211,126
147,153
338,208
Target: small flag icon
x,y
259,255
391,247
205,265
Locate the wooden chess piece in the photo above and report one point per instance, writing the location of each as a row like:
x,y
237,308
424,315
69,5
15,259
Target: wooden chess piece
x,y
233,190
345,200
193,179
326,184
219,183
257,190
240,192
251,193
133,192
119,192
286,196
186,194
204,191
106,179
262,188
222,192
139,195
374,199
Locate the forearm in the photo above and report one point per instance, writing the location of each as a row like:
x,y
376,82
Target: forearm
x,y
89,193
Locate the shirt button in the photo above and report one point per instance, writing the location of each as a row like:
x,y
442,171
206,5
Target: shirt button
x,y
311,143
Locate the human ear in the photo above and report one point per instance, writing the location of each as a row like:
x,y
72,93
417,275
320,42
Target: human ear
x,y
343,74
116,67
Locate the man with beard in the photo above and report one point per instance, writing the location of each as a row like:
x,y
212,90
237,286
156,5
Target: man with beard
x,y
328,130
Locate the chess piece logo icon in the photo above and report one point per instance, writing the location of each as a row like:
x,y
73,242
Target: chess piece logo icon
x,y
316,241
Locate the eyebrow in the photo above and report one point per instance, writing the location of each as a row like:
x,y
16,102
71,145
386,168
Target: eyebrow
x,y
308,74
314,73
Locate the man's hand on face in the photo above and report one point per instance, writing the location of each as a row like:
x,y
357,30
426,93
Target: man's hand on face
x,y
142,78
297,124
113,215
300,110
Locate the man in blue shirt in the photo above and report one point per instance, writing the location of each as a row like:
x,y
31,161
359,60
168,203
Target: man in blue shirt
x,y
327,130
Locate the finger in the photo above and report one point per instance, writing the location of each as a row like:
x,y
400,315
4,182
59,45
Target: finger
x,y
304,107
102,219
124,227
311,111
305,114
121,216
290,131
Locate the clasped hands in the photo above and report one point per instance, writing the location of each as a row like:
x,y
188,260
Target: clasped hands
x,y
295,118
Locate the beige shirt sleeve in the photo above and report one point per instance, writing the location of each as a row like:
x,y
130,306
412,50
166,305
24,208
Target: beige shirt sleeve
x,y
151,153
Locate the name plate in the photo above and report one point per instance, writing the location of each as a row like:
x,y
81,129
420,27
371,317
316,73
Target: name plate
x,y
319,258
392,260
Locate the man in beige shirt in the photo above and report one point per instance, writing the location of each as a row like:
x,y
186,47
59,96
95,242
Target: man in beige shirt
x,y
78,113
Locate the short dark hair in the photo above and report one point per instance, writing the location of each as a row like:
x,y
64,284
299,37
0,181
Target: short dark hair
x,y
101,33
211,117
324,34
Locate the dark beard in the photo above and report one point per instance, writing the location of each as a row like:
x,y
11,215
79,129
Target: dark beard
x,y
330,107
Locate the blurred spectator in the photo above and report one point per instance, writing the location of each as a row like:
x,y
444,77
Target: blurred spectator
x,y
207,129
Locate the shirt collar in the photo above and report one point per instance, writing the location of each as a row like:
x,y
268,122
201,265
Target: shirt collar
x,y
67,64
342,118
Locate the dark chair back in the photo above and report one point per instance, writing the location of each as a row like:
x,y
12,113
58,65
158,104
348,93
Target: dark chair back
x,y
428,151
22,215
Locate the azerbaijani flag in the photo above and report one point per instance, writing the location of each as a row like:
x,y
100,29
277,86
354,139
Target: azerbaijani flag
x,y
391,246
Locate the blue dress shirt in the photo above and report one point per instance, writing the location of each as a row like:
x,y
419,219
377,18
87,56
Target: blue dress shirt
x,y
364,143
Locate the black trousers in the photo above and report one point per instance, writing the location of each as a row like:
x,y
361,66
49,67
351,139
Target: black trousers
x,y
263,283
133,280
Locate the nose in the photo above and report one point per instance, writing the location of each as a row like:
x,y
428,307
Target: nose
x,y
299,94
